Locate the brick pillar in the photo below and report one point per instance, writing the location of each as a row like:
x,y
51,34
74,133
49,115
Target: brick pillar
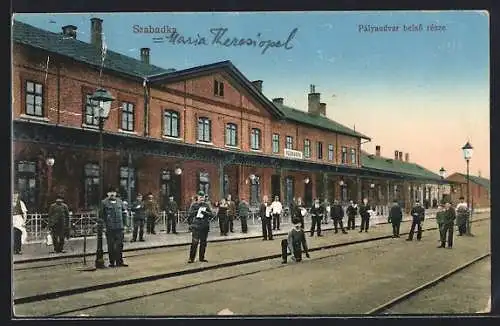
x,y
325,185
405,196
359,189
220,173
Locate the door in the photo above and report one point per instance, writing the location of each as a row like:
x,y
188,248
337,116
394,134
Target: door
x,y
276,186
170,185
308,193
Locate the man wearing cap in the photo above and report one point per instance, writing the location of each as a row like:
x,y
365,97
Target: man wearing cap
x,y
265,217
317,213
114,218
139,217
58,223
243,212
171,209
337,214
295,243
152,211
199,224
231,213
418,215
395,218
462,214
447,219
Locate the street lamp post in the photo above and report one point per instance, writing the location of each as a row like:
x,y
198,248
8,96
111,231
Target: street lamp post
x,y
467,151
442,174
104,99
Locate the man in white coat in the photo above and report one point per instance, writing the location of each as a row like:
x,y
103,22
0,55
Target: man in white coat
x,y
276,209
19,215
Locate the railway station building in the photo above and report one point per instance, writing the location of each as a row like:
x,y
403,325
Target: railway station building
x,y
175,132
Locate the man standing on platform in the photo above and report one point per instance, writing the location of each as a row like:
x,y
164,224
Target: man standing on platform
x,y
395,218
243,211
152,211
171,209
59,223
139,216
114,219
462,213
276,209
231,213
352,211
317,214
447,225
418,215
337,214
199,225
265,217
19,216
295,243
364,213
300,212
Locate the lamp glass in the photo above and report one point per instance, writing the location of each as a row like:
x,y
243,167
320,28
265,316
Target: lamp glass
x,y
467,150
442,172
178,171
372,185
252,177
341,182
50,161
306,180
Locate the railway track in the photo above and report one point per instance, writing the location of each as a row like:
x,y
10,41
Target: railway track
x,y
134,252
385,308
160,276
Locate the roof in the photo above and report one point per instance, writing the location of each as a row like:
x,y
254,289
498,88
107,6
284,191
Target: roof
x,y
483,182
379,163
80,51
87,53
318,121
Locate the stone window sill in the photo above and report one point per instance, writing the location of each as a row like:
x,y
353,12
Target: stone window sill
x,y
34,118
128,132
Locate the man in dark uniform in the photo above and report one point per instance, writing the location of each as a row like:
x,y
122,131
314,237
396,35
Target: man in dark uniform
x,y
337,214
114,219
139,216
395,218
265,217
152,212
300,212
199,224
365,215
418,215
171,209
352,211
462,215
243,211
295,242
231,213
447,225
317,213
59,223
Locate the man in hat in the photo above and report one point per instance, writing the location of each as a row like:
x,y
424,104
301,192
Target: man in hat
x,y
152,211
395,218
317,214
139,217
231,213
295,243
462,214
352,211
58,223
418,215
337,214
276,209
447,224
265,217
364,213
171,209
243,212
114,219
199,224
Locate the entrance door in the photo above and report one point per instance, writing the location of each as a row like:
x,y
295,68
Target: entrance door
x,y
170,185
276,186
308,193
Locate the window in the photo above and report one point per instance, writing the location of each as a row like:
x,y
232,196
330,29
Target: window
x,y
231,134
127,116
319,149
125,173
255,191
171,124
307,148
255,139
204,130
218,88
91,187
344,155
34,99
331,153
289,142
353,156
91,117
204,182
276,143
26,183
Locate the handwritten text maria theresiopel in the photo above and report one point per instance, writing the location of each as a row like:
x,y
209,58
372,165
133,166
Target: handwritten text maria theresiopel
x,y
219,37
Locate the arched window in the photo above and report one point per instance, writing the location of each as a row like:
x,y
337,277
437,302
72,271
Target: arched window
x,y
204,130
231,134
171,124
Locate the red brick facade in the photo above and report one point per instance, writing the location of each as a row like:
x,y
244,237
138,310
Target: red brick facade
x,y
66,84
479,195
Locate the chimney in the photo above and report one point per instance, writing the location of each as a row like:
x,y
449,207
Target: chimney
x,y
479,173
69,31
407,157
313,100
278,100
396,155
322,109
258,84
145,55
377,150
96,32
400,156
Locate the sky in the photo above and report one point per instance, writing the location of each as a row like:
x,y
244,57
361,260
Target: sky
x,y
423,92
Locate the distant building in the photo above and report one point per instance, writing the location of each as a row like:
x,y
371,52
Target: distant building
x,y
479,189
